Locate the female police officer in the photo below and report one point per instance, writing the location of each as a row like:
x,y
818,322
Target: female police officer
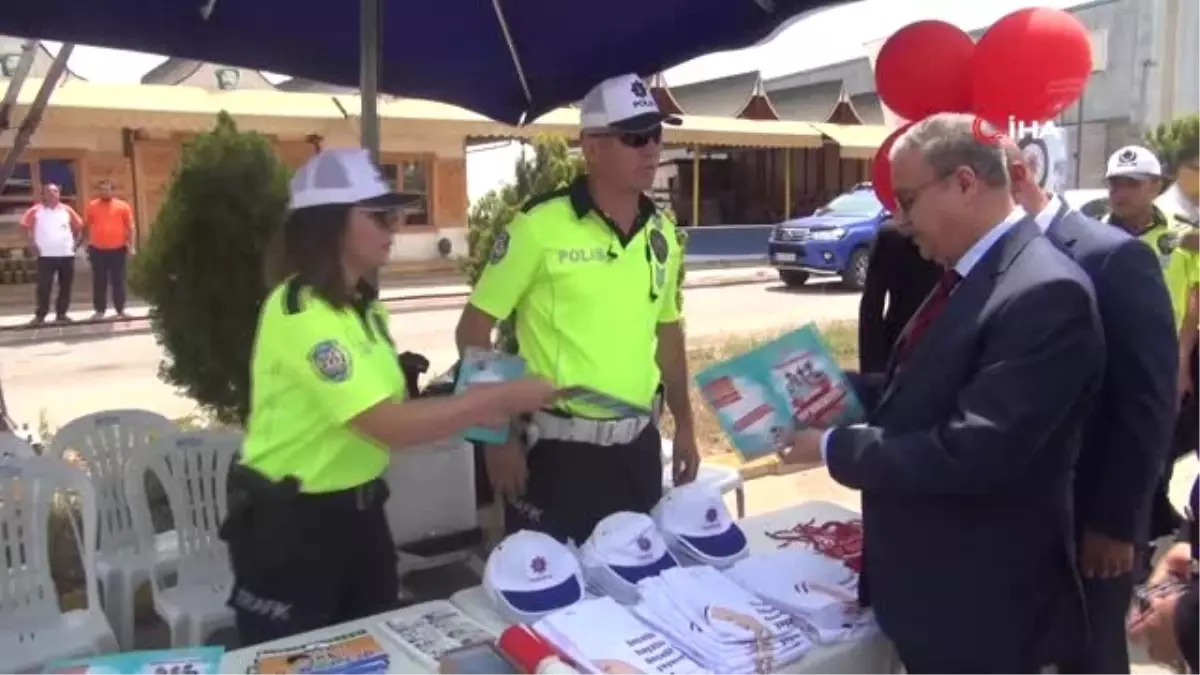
x,y
307,535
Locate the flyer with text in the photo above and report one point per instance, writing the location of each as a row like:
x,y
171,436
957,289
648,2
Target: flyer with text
x,y
762,396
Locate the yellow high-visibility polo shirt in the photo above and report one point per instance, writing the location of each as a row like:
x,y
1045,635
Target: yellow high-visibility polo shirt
x,y
314,368
588,299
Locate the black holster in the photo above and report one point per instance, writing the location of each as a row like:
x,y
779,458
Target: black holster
x,y
261,528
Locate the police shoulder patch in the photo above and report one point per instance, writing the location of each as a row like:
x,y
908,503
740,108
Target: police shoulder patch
x,y
331,361
499,247
1166,244
658,244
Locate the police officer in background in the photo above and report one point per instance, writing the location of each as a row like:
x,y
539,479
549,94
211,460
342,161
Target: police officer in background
x,y
1134,178
591,272
308,538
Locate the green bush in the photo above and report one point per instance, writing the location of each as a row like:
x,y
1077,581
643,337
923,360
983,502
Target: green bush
x,y
201,269
1175,142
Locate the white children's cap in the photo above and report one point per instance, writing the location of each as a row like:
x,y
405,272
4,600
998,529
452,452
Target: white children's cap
x,y
1134,161
344,176
698,527
621,103
531,574
624,548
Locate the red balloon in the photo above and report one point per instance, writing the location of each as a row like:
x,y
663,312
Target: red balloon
x,y
925,68
881,170
1030,66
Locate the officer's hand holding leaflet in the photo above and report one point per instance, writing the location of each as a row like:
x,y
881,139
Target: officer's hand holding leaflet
x,y
411,423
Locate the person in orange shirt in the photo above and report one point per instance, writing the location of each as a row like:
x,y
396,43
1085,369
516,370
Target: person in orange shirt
x,y
109,235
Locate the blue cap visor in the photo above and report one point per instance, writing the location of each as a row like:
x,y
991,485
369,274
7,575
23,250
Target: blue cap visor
x,y
543,600
636,574
732,542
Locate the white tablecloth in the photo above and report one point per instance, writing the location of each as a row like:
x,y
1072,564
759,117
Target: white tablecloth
x,y
872,655
401,661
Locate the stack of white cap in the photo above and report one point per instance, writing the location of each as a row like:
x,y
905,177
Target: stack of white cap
x,y
818,590
719,624
531,574
698,527
624,548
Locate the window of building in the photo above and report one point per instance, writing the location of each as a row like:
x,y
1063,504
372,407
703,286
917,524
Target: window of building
x,y
411,176
1099,50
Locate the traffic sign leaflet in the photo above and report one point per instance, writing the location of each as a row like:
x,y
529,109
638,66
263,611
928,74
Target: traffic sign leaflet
x,y
762,396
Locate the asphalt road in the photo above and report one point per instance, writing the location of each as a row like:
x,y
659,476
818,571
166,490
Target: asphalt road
x,y
63,379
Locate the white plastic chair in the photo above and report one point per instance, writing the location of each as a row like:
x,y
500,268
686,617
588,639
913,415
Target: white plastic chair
x,y
726,478
193,468
104,442
33,629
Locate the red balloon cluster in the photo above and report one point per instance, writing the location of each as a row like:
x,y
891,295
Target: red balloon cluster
x,y
1028,67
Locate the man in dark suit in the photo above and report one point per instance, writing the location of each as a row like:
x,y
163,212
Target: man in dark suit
x,y
897,274
1126,440
965,461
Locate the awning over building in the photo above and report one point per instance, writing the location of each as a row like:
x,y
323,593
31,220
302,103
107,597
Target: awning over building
x,y
857,141
193,109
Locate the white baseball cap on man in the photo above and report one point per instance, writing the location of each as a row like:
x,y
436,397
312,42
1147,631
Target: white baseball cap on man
x,y
625,548
344,176
622,103
1134,161
530,574
697,526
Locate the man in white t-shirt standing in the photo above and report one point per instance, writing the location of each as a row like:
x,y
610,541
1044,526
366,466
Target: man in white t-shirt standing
x,y
53,231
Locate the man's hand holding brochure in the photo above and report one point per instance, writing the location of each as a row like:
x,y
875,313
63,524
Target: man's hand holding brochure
x,y
764,397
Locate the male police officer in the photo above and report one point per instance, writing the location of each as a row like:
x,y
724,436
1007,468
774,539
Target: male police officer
x,y
1134,177
591,272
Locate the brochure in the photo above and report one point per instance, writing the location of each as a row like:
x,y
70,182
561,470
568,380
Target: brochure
x,y
790,383
195,661
480,366
354,652
435,630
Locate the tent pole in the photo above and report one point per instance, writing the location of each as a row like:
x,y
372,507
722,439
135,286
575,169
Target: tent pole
x,y
695,185
33,116
370,16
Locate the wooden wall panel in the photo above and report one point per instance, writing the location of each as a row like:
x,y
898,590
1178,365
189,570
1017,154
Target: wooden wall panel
x,y
154,162
293,153
111,166
450,192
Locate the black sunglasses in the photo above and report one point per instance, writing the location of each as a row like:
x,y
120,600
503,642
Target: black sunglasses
x,y
639,139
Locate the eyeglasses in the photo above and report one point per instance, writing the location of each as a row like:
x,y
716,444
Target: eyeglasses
x,y
386,219
907,199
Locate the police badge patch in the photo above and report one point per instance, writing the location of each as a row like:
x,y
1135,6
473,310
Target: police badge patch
x,y
1166,244
499,248
331,361
658,244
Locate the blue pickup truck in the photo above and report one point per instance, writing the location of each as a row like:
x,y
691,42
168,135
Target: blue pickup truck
x,y
833,241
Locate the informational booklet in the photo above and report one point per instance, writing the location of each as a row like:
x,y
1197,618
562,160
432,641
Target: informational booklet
x,y
611,404
481,366
434,630
791,383
355,652
194,661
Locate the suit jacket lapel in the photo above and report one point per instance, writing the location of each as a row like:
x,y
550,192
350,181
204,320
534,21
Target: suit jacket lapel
x,y
963,303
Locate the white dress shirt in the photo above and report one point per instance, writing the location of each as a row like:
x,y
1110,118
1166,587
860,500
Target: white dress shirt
x,y
965,264
1044,217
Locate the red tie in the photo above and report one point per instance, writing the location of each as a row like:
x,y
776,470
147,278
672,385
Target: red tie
x,y
933,306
